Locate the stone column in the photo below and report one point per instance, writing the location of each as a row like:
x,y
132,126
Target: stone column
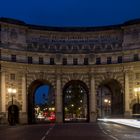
x,y
92,100
3,98
23,118
126,80
3,92
58,96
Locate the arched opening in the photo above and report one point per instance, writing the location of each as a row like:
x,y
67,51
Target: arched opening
x,y
110,99
41,102
13,115
75,102
136,110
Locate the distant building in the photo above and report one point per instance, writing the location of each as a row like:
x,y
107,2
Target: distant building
x,y
96,57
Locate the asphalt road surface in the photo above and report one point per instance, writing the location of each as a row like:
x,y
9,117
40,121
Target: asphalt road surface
x,y
70,131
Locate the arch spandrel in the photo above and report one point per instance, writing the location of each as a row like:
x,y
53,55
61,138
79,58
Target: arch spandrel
x,y
48,78
100,78
15,102
75,76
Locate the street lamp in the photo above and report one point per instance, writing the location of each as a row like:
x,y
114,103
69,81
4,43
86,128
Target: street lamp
x,y
137,90
12,92
107,103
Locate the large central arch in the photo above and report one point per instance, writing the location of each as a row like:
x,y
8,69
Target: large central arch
x,y
31,98
75,102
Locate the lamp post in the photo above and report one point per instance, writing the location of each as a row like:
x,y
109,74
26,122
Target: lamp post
x,y
107,103
12,92
137,91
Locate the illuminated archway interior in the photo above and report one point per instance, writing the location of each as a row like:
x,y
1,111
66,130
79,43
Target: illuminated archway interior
x,y
41,103
75,102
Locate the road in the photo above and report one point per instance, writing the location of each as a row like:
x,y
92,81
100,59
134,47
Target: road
x,y
69,131
120,132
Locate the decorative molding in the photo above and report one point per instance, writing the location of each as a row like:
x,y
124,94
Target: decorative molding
x,y
75,76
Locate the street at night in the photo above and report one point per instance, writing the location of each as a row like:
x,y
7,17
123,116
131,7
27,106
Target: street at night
x,y
74,131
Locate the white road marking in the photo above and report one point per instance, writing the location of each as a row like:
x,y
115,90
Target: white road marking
x,y
43,138
102,129
113,137
47,132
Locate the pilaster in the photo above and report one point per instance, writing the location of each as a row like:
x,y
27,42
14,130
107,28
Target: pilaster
x,y
126,80
23,118
92,100
58,97
3,92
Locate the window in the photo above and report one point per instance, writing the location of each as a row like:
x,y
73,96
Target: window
x,y
12,76
30,60
119,59
51,61
64,61
98,60
109,60
41,61
75,61
0,54
13,58
85,61
136,57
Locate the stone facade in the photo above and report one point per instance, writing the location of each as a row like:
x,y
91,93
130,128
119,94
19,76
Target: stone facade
x,y
58,55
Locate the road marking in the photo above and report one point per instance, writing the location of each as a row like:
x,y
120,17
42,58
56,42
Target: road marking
x,y
43,138
47,132
104,132
113,137
102,129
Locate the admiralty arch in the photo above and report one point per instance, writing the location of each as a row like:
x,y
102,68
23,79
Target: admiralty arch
x,y
103,62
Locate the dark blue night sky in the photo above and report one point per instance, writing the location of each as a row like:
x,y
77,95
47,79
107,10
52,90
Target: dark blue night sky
x,y
40,92
71,12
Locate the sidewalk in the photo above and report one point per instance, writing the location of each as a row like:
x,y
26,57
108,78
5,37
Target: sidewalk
x,y
129,122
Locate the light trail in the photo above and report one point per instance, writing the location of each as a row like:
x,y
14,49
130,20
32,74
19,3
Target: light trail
x,y
129,122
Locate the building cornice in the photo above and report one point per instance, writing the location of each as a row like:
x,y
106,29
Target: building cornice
x,y
70,29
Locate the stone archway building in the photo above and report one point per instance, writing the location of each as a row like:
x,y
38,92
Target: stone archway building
x,y
59,55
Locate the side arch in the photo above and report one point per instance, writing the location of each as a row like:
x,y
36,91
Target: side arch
x,y
31,97
110,98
